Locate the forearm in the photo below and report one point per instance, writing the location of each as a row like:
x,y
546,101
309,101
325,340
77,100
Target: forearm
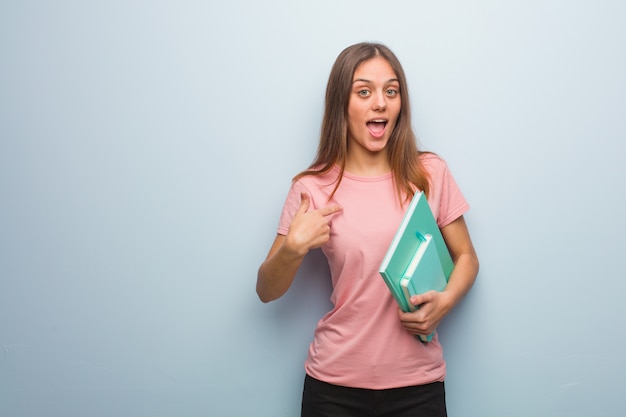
x,y
277,272
465,262
461,279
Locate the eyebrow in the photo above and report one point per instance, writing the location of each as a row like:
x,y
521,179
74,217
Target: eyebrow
x,y
391,80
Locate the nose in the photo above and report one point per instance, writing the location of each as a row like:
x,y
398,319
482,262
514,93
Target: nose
x,y
380,102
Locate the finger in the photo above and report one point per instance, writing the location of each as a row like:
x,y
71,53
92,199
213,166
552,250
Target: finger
x,y
328,210
421,298
413,318
305,202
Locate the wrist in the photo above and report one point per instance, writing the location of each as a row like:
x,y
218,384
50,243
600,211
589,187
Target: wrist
x,y
292,251
448,300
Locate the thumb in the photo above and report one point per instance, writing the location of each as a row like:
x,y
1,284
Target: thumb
x,y
419,299
305,202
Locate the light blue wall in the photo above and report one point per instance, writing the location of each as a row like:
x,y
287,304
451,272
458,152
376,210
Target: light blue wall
x,y
146,148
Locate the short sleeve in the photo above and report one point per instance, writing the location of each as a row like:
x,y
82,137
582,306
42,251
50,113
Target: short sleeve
x,y
291,206
445,198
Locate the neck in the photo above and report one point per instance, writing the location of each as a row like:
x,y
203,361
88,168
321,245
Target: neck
x,y
368,165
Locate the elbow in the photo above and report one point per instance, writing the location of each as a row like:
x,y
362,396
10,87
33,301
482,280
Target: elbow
x,y
475,265
264,292
268,294
261,293
473,258
262,296
266,297
271,286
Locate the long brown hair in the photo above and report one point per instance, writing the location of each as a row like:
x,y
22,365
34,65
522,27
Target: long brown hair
x,y
408,172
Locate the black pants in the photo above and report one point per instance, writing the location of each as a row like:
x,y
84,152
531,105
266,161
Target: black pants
x,y
320,399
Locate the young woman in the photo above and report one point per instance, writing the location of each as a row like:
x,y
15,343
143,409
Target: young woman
x,y
365,358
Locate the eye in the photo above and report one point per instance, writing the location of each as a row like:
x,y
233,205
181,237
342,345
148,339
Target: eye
x,y
363,93
392,92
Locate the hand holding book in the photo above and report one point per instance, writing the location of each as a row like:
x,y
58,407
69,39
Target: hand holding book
x,y
417,260
423,321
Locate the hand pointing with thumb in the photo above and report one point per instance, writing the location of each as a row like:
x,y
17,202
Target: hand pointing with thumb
x,y
310,228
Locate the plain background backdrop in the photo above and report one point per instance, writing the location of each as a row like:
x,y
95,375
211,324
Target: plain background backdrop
x,y
146,148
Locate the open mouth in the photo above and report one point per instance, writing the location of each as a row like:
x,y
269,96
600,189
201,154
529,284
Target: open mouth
x,y
377,127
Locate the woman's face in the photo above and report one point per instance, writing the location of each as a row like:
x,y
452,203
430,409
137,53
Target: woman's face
x,y
373,107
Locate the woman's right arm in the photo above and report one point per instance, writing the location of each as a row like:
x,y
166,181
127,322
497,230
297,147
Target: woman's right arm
x,y
308,230
277,272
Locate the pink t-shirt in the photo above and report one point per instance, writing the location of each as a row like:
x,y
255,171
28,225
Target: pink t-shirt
x,y
361,342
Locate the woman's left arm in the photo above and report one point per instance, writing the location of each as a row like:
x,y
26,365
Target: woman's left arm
x,y
434,306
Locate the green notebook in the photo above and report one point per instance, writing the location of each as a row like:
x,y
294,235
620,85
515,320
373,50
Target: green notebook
x,y
424,272
417,259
